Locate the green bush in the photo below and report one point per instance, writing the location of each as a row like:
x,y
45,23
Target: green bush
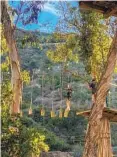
x,y
55,143
18,139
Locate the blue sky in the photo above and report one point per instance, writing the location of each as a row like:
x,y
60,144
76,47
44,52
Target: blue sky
x,y
48,18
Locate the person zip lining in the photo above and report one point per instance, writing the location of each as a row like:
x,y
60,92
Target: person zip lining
x,y
68,96
69,92
91,85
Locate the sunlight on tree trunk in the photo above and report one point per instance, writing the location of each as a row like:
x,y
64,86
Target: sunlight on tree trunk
x,y
14,59
104,140
91,143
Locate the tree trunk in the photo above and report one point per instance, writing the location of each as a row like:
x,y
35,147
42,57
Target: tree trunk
x,y
91,144
14,58
104,140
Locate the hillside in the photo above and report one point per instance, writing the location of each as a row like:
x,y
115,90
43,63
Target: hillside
x,y
35,59
59,89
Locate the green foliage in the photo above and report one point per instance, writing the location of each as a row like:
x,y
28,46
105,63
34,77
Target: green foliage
x,y
54,141
4,47
37,39
25,135
64,52
71,130
19,140
5,65
6,96
25,76
59,37
94,42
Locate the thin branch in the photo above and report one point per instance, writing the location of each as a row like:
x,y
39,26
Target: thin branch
x,y
18,15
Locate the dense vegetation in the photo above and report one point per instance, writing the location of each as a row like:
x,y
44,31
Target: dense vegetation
x,y
60,134
44,57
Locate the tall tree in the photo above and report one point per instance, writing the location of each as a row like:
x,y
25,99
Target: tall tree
x,y
92,45
14,58
96,112
26,15
101,63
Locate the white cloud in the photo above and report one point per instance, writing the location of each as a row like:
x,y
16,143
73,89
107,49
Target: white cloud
x,y
51,8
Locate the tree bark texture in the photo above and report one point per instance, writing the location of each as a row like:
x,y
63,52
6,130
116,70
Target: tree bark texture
x,y
14,58
104,139
91,143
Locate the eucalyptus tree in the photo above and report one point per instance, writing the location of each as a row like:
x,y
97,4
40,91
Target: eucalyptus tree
x,y
103,62
26,13
98,50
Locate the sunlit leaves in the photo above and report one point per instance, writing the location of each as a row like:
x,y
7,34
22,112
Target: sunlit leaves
x,y
37,142
4,47
95,43
93,40
30,40
5,65
25,76
64,52
19,140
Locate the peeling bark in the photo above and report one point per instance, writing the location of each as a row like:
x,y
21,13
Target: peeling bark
x,y
104,140
91,144
14,58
